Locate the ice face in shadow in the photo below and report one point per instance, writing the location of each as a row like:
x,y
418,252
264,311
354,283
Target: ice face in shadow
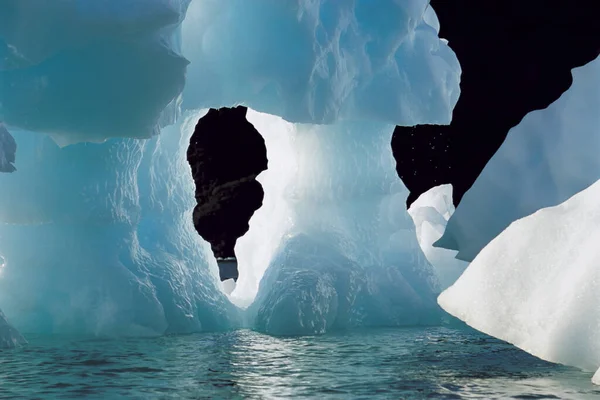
x,y
546,159
537,284
98,238
333,239
430,213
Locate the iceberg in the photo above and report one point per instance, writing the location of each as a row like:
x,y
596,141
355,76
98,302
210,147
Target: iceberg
x,y
102,98
536,285
430,214
550,156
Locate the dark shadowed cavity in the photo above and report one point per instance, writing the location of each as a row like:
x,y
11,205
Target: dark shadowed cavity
x,y
226,154
516,57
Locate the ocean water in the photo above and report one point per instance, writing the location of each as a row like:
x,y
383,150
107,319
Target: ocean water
x,y
432,363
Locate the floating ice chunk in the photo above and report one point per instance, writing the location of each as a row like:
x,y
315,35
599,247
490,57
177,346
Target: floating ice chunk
x,y
430,213
551,155
537,284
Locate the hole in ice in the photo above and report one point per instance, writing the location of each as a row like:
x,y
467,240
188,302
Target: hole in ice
x,y
226,154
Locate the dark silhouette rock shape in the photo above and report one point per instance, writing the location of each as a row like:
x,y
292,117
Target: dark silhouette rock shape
x,y
8,150
516,57
226,154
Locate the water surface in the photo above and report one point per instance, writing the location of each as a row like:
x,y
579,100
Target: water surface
x,y
434,363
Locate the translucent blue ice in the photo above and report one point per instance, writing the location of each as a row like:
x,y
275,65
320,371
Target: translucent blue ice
x,y
333,238
95,224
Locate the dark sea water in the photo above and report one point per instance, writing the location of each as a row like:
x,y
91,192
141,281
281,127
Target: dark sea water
x,y
420,363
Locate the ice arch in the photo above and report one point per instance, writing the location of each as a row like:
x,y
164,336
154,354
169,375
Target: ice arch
x,y
98,237
333,237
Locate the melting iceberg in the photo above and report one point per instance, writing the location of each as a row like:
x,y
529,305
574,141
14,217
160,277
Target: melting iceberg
x,y
551,155
537,284
96,227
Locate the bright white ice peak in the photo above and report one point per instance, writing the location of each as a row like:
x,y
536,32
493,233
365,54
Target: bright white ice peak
x,y
537,284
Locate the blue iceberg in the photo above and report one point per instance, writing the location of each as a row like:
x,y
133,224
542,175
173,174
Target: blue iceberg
x,y
102,98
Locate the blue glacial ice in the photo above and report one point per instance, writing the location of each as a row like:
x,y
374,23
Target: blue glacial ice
x,y
95,225
537,284
550,156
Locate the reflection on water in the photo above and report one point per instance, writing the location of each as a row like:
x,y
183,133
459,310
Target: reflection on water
x,y
408,363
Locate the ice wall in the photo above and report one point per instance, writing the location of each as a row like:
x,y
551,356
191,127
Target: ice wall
x,y
333,237
551,155
430,214
537,284
98,237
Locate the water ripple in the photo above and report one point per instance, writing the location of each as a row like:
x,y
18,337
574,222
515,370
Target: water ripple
x,y
435,363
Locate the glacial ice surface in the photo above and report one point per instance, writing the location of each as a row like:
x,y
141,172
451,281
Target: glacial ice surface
x,y
537,284
430,214
98,238
551,155
333,238
95,226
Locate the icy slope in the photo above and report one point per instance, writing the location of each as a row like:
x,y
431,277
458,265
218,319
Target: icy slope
x,y
551,155
537,285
